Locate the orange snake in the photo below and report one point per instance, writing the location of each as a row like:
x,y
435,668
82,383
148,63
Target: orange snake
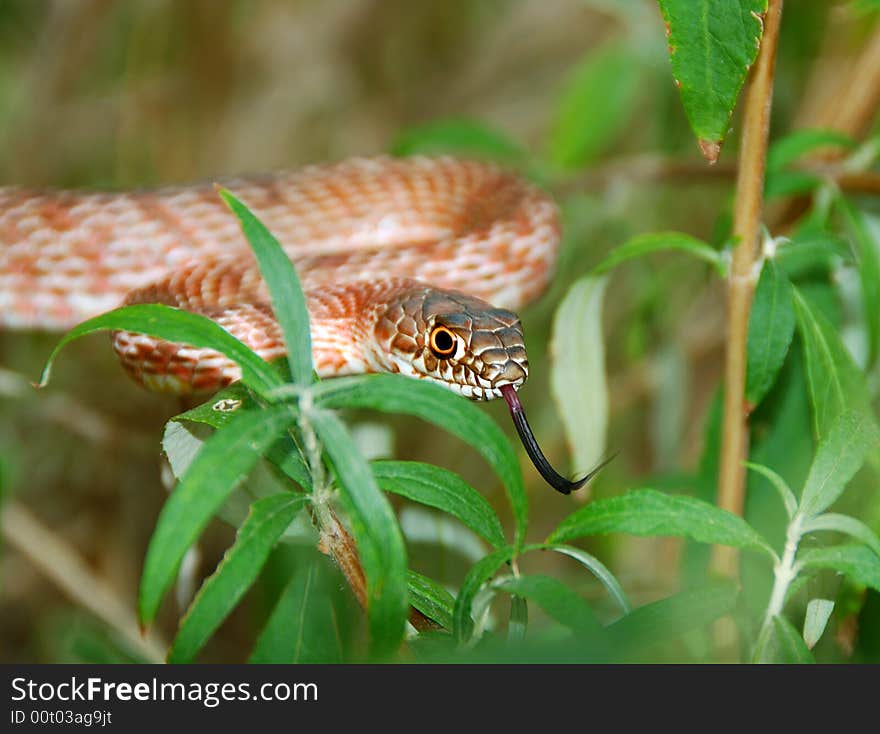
x,y
408,265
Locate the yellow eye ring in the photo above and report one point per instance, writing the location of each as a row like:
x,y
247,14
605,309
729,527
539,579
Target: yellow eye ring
x,y
442,342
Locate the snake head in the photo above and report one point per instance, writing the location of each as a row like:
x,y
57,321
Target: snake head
x,y
455,340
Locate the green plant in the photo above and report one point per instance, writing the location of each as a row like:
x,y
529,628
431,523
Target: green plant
x,y
797,400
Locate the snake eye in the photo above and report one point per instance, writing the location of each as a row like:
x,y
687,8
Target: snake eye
x,y
442,342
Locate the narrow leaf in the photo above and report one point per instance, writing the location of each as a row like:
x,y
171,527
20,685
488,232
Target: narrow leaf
x,y
577,374
712,44
844,524
430,599
595,106
375,530
225,459
778,483
555,598
462,418
648,512
436,487
836,384
645,244
795,145
219,594
861,564
783,644
599,570
479,574
669,618
771,327
288,300
302,626
176,326
816,619
840,455
869,272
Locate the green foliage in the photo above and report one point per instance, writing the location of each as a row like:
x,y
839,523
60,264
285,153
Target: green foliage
x,y
462,137
645,244
220,593
712,44
815,290
598,97
771,327
648,512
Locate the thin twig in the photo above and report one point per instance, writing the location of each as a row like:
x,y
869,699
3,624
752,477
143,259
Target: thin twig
x,y
63,566
741,283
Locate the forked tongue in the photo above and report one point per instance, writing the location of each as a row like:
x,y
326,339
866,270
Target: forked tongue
x,y
551,476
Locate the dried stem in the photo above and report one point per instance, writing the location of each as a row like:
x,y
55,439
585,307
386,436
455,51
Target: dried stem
x,y
63,566
741,283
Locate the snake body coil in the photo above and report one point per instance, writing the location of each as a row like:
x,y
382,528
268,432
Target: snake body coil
x,y
409,266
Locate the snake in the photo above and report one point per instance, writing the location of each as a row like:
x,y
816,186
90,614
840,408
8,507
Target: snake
x,y
415,266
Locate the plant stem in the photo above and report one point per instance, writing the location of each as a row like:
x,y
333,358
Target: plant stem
x,y
741,283
784,572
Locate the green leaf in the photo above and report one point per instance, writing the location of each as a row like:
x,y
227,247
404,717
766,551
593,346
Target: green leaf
x,y
288,300
840,455
466,137
648,512
595,106
795,145
555,598
285,454
836,384
302,626
219,594
184,327
436,487
518,624
225,459
843,524
861,564
645,244
670,618
479,574
816,619
781,486
437,405
599,570
430,599
577,373
869,272
375,531
781,643
771,327
712,44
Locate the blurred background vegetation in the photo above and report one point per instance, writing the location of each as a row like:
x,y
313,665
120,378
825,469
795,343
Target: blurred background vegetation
x,y
96,93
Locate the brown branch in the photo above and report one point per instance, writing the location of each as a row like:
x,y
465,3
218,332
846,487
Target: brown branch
x,y
741,282
61,564
337,543
653,168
